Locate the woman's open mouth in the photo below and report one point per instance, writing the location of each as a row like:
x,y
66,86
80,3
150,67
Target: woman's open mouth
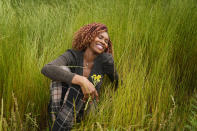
x,y
100,46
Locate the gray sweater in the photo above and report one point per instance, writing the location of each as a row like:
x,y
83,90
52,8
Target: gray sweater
x,y
103,65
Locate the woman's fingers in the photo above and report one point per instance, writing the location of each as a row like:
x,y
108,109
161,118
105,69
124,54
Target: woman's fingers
x,y
92,95
85,98
88,89
97,97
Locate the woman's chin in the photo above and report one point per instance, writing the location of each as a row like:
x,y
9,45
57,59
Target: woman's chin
x,y
98,51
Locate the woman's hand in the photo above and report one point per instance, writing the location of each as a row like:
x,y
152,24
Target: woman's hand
x,y
87,87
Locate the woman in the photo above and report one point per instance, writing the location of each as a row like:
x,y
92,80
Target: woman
x,y
77,74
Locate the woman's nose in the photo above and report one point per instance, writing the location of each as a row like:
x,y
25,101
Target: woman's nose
x,y
104,43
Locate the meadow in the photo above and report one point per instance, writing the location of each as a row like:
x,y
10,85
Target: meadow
x,y
155,51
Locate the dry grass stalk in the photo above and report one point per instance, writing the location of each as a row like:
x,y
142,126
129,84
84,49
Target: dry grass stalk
x,y
17,110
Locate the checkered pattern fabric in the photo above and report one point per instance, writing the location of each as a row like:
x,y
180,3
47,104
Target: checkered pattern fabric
x,y
63,115
56,92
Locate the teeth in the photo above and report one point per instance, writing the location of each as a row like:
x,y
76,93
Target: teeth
x,y
100,47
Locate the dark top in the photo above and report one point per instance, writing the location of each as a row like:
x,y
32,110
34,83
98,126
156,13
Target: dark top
x,y
103,64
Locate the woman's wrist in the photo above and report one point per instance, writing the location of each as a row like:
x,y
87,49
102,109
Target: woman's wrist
x,y
77,79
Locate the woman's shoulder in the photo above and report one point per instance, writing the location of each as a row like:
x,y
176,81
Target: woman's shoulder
x,y
73,52
106,58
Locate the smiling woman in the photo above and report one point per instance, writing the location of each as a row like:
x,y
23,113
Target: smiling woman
x,y
100,43
73,75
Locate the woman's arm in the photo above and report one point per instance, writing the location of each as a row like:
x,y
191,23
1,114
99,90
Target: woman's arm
x,y
57,71
54,70
86,86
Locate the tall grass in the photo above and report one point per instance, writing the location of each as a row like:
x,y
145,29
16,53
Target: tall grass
x,y
192,122
155,47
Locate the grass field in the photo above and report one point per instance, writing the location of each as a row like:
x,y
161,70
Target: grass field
x,y
155,45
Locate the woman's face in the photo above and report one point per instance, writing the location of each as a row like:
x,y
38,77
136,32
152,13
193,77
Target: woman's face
x,y
100,43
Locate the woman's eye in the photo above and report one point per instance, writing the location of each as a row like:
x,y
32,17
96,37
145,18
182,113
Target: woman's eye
x,y
106,41
100,37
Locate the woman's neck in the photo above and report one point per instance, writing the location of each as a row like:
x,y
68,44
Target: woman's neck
x,y
89,55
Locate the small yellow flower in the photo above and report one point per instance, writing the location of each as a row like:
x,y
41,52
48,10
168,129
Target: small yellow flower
x,y
93,76
96,78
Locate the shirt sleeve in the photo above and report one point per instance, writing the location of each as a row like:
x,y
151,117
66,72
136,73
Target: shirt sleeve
x,y
110,70
55,70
